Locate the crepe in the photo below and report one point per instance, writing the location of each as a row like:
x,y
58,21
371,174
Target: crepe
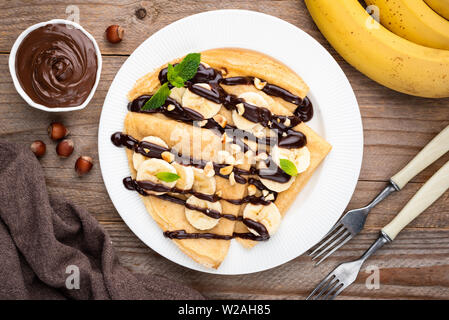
x,y
171,216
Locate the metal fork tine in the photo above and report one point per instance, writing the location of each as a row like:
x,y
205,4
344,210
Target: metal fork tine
x,y
318,287
334,249
337,231
329,286
331,245
332,290
338,292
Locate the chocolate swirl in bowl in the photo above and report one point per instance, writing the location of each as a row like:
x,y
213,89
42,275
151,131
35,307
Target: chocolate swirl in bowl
x,y
56,66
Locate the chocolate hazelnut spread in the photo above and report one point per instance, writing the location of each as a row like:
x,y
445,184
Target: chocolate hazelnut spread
x,y
57,66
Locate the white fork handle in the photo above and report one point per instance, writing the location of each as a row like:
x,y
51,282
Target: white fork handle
x,y
431,152
428,194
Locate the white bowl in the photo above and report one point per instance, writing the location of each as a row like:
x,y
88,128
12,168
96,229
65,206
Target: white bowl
x,y
12,66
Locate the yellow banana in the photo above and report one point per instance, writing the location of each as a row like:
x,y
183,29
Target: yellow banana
x,y
440,6
414,20
380,54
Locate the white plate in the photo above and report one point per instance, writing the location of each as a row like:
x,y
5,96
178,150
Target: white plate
x,y
337,119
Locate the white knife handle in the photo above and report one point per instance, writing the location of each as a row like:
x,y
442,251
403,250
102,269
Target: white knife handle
x,y
428,194
431,152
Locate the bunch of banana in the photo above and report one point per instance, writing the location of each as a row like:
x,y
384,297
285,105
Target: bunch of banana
x,y
414,20
440,6
382,55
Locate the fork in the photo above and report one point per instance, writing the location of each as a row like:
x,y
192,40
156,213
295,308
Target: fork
x,y
346,273
354,220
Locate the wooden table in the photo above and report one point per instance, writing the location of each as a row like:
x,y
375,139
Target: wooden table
x,y
396,127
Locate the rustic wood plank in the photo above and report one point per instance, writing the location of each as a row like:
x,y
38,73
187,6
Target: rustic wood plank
x,y
415,266
396,127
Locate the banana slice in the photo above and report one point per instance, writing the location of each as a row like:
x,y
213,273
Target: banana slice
x,y
148,170
203,183
277,186
177,94
198,219
268,215
251,98
138,158
185,182
300,157
207,108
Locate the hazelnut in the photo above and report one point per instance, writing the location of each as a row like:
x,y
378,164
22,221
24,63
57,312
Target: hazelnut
x,y
114,33
168,156
83,165
38,147
57,131
65,148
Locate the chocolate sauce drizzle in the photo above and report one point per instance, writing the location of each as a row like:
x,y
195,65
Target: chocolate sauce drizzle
x,y
286,138
142,186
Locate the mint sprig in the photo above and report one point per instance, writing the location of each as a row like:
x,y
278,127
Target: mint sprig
x,y
167,176
158,99
176,76
288,167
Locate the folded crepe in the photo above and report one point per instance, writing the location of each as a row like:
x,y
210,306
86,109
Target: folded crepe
x,y
181,136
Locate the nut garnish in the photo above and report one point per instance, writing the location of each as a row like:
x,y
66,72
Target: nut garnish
x,y
219,193
270,197
226,170
168,156
221,120
262,156
170,107
201,123
265,193
252,190
235,148
240,109
209,169
232,179
287,122
259,84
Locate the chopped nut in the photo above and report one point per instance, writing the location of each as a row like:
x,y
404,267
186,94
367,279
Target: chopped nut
x,y
265,193
219,193
209,169
224,138
270,197
201,123
170,107
262,156
146,150
226,170
232,179
252,190
259,84
230,160
224,71
284,134
287,122
235,148
221,120
278,120
240,108
168,156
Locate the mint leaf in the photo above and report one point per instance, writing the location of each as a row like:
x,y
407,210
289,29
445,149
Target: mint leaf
x,y
188,66
288,167
158,99
183,71
167,176
174,78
